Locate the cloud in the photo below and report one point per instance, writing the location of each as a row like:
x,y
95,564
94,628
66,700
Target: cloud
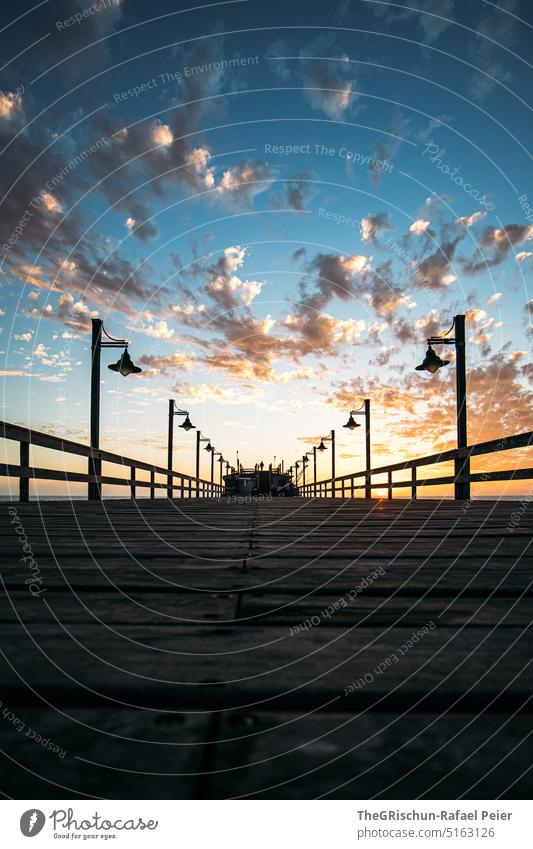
x,y
299,191
499,26
327,91
469,220
155,366
10,104
72,313
383,295
372,226
157,330
139,223
162,135
499,240
321,333
328,82
432,18
333,275
419,226
434,272
242,182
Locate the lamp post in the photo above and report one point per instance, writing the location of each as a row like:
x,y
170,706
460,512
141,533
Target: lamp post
x,y
351,424
219,461
212,450
432,363
199,439
322,447
311,454
187,425
125,367
305,461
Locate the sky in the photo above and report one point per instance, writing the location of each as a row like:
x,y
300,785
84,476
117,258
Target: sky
x,y
276,204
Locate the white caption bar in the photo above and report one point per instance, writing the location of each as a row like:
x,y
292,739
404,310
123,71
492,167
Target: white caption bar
x,y
265,824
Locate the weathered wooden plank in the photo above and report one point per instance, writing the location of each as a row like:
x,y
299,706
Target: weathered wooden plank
x,y
227,666
269,608
116,608
110,753
336,577
365,756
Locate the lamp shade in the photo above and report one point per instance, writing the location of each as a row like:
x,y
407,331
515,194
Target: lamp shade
x,y
125,365
187,424
321,447
351,424
209,447
432,362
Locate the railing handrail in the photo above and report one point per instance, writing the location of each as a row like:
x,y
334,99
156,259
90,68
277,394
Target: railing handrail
x,y
27,437
504,443
67,446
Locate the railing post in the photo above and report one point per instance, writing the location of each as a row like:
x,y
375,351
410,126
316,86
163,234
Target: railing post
x,y
182,488
152,482
133,483
190,487
389,484
342,488
461,488
462,467
24,483
413,483
351,487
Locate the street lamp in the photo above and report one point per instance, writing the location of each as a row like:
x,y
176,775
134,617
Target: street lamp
x,y
187,425
199,439
219,461
351,424
322,447
305,461
211,448
312,454
125,367
432,363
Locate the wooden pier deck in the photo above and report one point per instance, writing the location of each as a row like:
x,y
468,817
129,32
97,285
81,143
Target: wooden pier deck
x,y
201,649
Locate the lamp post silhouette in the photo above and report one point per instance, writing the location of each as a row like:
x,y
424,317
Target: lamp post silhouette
x,y
305,461
219,461
308,454
187,425
351,424
124,366
211,448
432,363
322,447
199,439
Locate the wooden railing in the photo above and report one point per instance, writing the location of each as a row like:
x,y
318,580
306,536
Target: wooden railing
x,y
345,485
185,485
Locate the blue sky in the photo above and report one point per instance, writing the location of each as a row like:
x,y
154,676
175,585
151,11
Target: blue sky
x,y
276,204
